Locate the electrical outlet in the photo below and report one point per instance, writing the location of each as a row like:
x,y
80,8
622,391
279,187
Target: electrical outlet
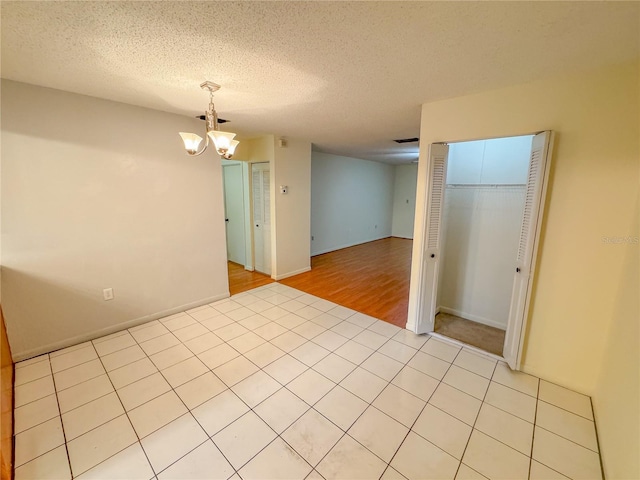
x,y
107,293
312,238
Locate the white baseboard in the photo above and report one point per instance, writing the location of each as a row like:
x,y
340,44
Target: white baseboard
x,y
291,274
249,268
402,236
458,343
52,347
347,245
472,317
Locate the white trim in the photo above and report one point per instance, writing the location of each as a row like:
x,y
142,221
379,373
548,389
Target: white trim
x,y
347,245
536,244
290,274
414,311
402,237
471,317
458,343
52,347
249,268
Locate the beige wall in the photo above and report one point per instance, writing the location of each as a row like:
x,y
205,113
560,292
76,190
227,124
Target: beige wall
x,y
290,213
291,218
616,398
594,184
99,194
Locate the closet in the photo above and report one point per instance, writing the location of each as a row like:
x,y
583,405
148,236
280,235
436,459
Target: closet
x,y
261,193
482,212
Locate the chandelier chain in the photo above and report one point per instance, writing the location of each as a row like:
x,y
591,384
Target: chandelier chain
x,y
211,106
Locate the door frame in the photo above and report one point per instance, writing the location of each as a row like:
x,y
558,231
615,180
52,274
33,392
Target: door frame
x,y
419,265
226,165
248,209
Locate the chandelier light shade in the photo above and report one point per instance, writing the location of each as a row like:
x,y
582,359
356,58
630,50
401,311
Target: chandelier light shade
x,y
191,142
223,142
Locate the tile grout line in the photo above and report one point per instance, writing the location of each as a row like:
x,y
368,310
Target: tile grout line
x,y
473,427
115,391
422,410
20,367
127,414
189,412
440,381
64,433
370,404
130,423
308,367
426,402
159,371
37,399
311,407
500,441
568,411
567,439
533,436
35,379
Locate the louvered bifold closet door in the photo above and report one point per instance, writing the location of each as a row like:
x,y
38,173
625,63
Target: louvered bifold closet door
x,y
266,222
256,176
527,248
435,202
258,218
266,195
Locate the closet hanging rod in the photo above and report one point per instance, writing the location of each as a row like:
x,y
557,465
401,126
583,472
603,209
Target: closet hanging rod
x,y
493,185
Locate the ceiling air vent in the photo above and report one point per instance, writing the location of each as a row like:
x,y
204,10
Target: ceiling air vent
x,y
407,140
220,120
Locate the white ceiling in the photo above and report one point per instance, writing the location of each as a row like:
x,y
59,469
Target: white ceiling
x,y
348,76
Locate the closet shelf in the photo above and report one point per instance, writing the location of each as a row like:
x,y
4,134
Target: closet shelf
x,y
488,185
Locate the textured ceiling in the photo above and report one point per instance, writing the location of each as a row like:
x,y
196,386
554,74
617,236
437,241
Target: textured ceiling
x,y
348,76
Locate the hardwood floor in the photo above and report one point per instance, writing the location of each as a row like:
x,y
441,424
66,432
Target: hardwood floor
x,y
372,278
241,280
6,420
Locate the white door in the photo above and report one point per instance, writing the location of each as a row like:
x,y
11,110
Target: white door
x,y
260,182
433,236
234,213
527,248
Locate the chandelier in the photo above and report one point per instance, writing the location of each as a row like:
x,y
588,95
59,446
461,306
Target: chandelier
x,y
223,141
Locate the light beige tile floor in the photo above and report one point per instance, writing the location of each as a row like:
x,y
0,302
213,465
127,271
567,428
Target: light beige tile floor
x,y
277,384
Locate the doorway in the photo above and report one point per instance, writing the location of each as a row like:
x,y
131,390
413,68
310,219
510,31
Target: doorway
x,y
234,213
238,200
484,196
484,210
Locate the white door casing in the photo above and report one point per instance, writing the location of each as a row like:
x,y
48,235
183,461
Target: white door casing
x,y
524,268
437,171
423,318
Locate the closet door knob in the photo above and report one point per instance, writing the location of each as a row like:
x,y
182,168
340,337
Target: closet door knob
x,y
433,255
